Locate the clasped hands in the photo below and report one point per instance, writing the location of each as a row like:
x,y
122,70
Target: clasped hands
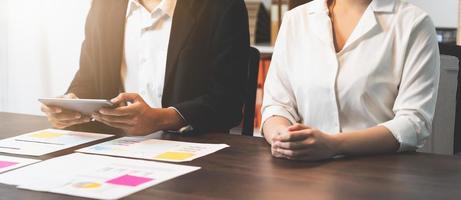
x,y
301,142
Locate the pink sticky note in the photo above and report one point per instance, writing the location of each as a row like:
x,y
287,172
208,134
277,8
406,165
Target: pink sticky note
x,y
128,180
4,164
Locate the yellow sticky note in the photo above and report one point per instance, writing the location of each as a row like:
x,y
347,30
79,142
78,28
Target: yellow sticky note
x,y
47,135
87,185
175,156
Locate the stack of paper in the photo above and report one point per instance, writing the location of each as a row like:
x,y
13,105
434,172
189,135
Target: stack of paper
x,y
153,149
93,176
47,141
8,163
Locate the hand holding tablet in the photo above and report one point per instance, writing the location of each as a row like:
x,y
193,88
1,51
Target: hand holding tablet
x,y
84,106
69,110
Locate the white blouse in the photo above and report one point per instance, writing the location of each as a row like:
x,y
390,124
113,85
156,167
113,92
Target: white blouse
x,y
147,35
387,73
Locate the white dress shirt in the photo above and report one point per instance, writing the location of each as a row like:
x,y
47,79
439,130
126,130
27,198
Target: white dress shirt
x,y
387,73
147,36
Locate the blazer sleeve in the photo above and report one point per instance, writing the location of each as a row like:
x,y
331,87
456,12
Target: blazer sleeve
x,y
221,107
82,84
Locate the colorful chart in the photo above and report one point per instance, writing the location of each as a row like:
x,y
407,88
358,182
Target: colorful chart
x,y
153,149
46,141
175,156
87,185
4,164
47,135
129,180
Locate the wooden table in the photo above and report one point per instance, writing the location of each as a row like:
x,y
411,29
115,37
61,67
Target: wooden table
x,y
246,170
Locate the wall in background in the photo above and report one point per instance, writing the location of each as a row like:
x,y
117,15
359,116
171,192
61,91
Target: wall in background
x,y
40,45
444,13
41,53
3,53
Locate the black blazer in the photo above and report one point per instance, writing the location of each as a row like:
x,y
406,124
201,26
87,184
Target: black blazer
x,y
206,63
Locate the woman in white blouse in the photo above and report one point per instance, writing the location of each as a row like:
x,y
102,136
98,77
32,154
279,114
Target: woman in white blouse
x,y
351,77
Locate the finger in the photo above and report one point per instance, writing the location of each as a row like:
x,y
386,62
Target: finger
x,y
65,124
294,153
59,125
83,119
126,120
123,97
70,96
298,127
275,153
121,111
295,136
50,109
293,145
66,116
115,125
276,137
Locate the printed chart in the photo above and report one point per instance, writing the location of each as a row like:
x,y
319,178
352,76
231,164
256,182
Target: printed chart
x,y
153,149
93,176
47,141
8,163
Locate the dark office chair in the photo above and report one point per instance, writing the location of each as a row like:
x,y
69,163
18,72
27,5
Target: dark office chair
x,y
250,97
443,125
454,50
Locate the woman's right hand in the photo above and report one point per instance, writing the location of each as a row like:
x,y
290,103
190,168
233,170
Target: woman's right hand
x,y
61,118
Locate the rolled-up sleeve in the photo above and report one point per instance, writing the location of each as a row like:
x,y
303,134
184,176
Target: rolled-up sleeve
x,y
414,106
279,99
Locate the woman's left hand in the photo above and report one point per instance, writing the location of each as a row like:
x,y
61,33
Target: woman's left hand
x,y
304,143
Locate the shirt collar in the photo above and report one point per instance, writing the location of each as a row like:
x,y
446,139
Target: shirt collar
x,y
383,5
166,6
320,6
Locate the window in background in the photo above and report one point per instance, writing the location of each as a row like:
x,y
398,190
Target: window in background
x,y
41,53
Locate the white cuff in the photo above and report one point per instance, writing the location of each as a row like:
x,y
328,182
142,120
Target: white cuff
x,y
404,131
271,111
186,128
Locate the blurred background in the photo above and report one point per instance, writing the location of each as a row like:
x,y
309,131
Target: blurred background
x,y
39,50
40,44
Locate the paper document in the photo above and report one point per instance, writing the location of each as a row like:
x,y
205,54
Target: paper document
x,y
8,163
47,141
93,176
153,149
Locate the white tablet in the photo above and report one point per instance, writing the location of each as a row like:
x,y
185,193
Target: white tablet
x,y
84,106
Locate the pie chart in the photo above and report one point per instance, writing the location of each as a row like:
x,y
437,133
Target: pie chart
x,y
87,185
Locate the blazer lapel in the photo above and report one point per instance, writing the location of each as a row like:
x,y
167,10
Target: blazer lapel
x,y
183,23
